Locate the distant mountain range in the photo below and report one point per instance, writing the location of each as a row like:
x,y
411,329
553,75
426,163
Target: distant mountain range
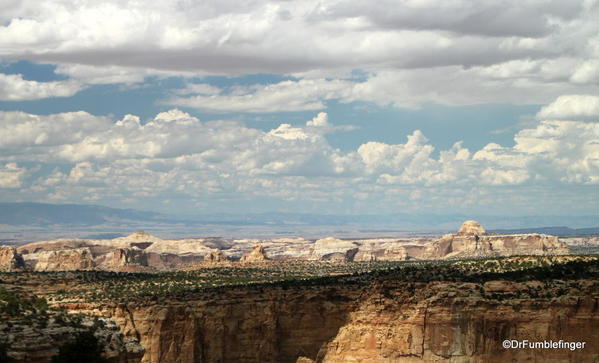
x,y
41,214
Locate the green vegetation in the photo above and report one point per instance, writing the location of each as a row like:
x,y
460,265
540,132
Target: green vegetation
x,y
15,304
121,286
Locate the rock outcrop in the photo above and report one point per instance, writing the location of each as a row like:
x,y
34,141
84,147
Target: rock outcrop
x,y
471,241
10,259
216,257
65,260
32,343
464,322
471,227
125,257
333,249
256,255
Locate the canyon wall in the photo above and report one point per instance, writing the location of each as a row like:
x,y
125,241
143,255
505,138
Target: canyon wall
x,y
386,321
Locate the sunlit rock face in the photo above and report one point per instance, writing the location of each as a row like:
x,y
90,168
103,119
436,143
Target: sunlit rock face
x,y
122,257
333,249
256,255
388,321
472,241
471,227
65,260
10,259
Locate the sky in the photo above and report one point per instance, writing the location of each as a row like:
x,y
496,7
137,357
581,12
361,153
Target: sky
x,y
341,107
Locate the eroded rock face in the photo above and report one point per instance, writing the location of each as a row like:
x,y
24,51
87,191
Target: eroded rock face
x,y
389,321
256,255
31,343
471,241
121,257
458,323
65,260
10,259
216,257
236,326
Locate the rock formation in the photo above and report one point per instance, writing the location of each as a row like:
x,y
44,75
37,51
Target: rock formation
x,y
127,256
10,259
472,241
141,249
333,249
65,260
256,255
389,321
471,227
216,257
31,343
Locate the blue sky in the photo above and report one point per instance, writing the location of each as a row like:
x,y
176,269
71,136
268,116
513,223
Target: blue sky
x,y
335,107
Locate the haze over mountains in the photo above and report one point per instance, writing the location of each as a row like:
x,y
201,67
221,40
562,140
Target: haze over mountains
x,y
42,215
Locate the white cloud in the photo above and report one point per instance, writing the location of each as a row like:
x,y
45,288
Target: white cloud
x,y
20,131
571,107
11,176
475,52
14,88
177,139
300,37
175,155
110,74
302,95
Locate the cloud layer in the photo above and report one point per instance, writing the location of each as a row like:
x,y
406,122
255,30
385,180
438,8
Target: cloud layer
x,y
175,155
458,52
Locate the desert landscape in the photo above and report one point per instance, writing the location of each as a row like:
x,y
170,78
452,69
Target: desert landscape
x,y
308,181
453,298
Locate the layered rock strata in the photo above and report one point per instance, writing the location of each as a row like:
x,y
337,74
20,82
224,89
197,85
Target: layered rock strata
x,y
385,321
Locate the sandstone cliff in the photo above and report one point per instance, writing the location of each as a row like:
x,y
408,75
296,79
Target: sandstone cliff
x,y
10,259
414,315
65,260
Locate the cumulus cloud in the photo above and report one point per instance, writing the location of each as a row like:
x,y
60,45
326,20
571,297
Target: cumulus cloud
x,y
20,131
176,154
571,107
14,88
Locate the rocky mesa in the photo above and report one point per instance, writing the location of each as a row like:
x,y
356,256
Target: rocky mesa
x,y
141,251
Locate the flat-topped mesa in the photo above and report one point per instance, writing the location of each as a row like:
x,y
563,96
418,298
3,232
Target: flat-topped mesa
x,y
256,255
140,236
10,259
472,241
